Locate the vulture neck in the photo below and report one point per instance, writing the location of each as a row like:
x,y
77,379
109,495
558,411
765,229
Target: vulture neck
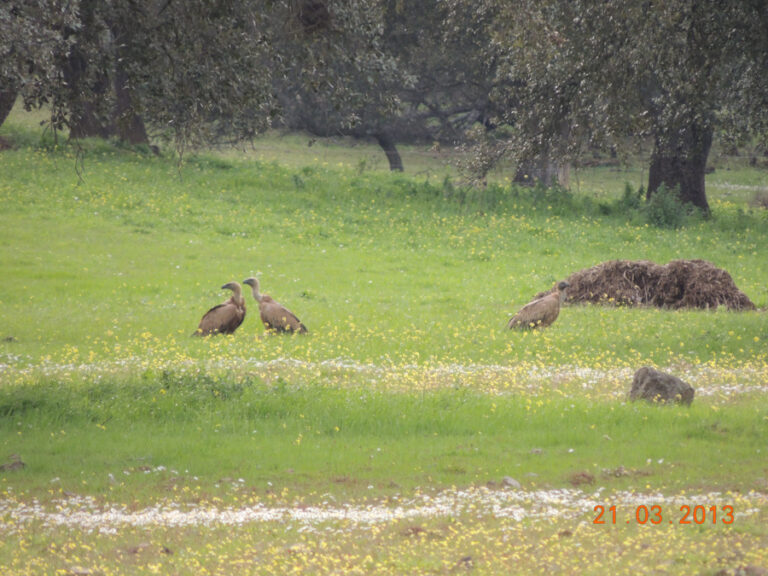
x,y
256,294
237,295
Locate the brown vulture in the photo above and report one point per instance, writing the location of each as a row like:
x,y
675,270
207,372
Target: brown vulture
x,y
227,316
541,312
274,315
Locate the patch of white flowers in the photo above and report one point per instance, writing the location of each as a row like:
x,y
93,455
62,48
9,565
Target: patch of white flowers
x,y
515,505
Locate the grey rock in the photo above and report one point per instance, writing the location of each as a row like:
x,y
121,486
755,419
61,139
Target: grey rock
x,y
658,387
511,482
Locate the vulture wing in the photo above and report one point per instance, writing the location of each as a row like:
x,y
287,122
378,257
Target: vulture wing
x,y
221,319
277,317
537,314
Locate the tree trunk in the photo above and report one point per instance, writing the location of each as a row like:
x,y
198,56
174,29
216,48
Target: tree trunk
x,y
129,125
8,96
85,116
542,167
388,145
88,88
542,170
85,123
679,161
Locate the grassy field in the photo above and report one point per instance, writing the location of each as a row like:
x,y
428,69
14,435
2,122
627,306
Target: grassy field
x,y
393,437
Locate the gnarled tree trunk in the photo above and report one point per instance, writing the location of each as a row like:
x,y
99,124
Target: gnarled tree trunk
x,y
679,161
87,85
8,94
87,118
129,125
388,145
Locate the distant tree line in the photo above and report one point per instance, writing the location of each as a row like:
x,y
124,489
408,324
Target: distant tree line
x,y
542,82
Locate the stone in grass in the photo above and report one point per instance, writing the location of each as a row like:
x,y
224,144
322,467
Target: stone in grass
x,y
14,463
579,478
510,482
658,387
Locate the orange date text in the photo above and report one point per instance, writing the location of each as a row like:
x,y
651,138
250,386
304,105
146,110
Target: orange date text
x,y
655,514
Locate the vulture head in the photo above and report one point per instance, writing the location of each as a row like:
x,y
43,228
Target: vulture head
x,y
234,286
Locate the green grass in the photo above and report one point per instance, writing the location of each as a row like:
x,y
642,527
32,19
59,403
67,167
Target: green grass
x,y
318,439
371,253
408,381
106,277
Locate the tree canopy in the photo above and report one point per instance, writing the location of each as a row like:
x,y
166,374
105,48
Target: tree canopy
x,y
32,43
589,73
548,80
193,71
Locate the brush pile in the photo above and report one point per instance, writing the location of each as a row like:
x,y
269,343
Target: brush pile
x,y
679,284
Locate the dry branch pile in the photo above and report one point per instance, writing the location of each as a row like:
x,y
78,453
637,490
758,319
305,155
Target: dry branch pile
x,y
679,284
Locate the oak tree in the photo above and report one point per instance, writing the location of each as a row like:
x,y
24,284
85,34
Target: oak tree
x,y
590,73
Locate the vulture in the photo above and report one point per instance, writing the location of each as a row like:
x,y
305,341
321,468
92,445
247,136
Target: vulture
x,y
541,312
274,315
227,316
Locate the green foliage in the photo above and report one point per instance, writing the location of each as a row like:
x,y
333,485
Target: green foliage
x,y
664,209
34,40
631,200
